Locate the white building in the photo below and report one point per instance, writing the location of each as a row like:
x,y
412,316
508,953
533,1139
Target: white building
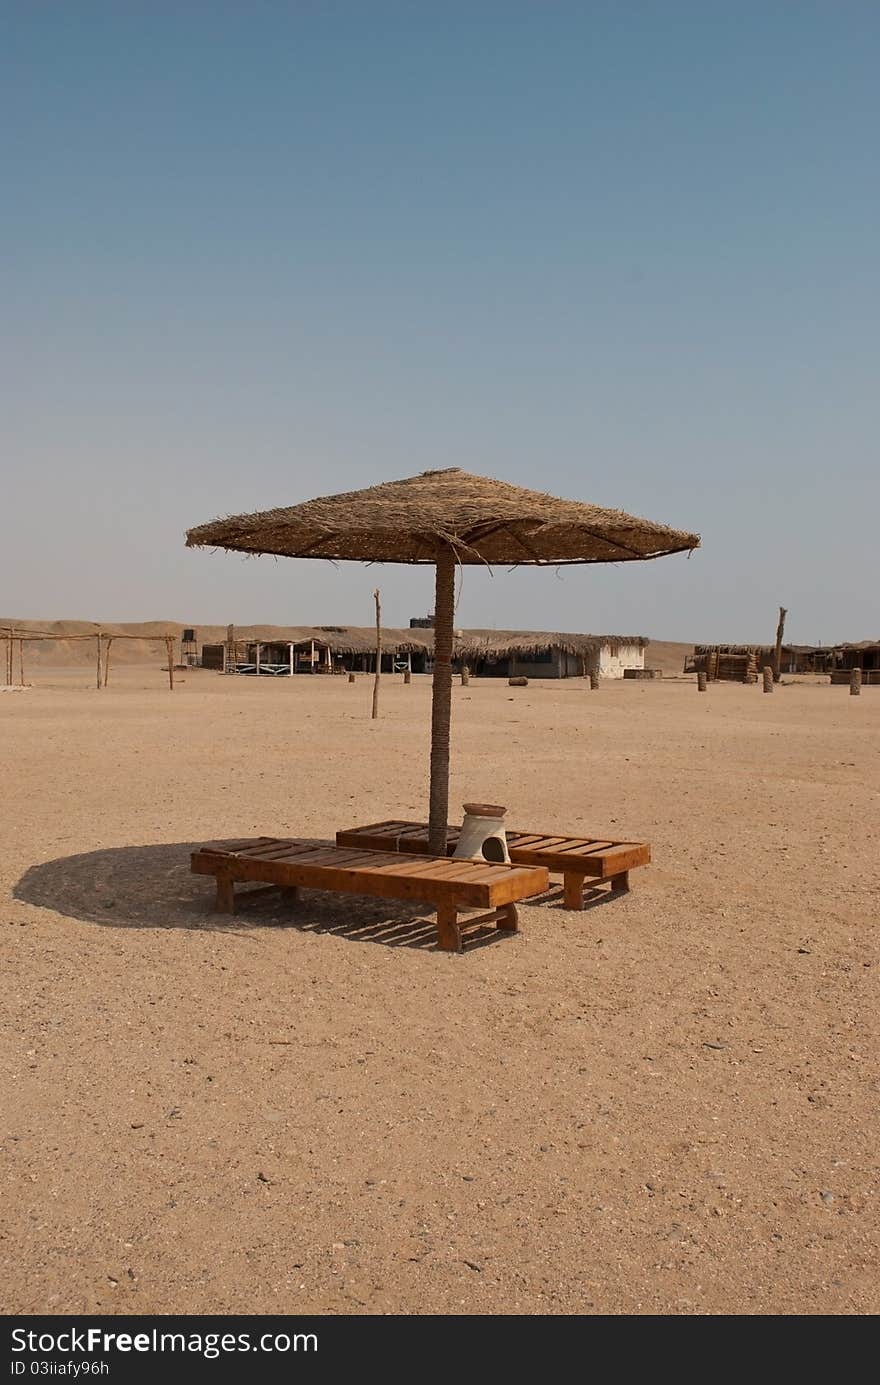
x,y
616,655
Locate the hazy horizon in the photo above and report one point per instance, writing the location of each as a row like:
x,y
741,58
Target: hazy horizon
x,y
620,252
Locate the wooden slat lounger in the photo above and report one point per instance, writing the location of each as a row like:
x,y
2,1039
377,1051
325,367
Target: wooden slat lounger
x,y
577,859
451,886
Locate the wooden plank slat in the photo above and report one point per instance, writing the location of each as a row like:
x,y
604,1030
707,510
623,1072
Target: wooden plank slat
x,y
576,844
622,858
402,865
221,846
255,848
582,852
464,870
277,851
315,856
241,843
490,870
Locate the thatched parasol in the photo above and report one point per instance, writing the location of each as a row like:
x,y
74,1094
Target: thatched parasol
x,y
446,518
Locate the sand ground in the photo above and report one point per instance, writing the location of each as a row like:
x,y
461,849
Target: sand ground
x,y
666,1104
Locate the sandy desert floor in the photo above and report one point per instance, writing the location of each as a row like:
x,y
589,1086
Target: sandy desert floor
x,y
665,1104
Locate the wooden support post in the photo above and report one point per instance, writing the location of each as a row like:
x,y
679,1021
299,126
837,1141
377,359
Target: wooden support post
x,y
448,931
99,669
169,645
777,653
107,659
702,679
465,675
407,673
21,662
225,894
594,682
312,657
291,659
508,918
767,673
257,661
378,655
573,891
855,682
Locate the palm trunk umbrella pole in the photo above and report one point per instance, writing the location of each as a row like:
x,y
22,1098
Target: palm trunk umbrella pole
x,y
441,702
446,518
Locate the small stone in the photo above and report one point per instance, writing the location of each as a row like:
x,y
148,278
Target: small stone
x,y
827,1198
706,1044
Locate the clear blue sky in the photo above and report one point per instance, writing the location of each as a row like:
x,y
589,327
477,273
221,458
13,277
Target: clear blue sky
x,y
624,252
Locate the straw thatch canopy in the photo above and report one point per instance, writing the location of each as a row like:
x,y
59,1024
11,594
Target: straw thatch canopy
x,y
345,639
467,644
482,520
522,644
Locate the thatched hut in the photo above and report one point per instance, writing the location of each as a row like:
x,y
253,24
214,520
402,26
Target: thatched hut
x,y
543,654
728,660
322,649
864,655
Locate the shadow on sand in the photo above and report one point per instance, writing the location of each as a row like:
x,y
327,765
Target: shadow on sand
x,y
152,887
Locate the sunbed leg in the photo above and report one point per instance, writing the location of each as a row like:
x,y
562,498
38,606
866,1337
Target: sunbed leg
x,y
573,891
448,931
508,918
225,894
620,883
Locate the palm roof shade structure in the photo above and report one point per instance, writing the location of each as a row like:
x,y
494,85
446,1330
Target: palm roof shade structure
x,y
446,518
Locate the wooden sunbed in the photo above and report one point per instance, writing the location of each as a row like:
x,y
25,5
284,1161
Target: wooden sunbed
x,y
450,886
578,859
